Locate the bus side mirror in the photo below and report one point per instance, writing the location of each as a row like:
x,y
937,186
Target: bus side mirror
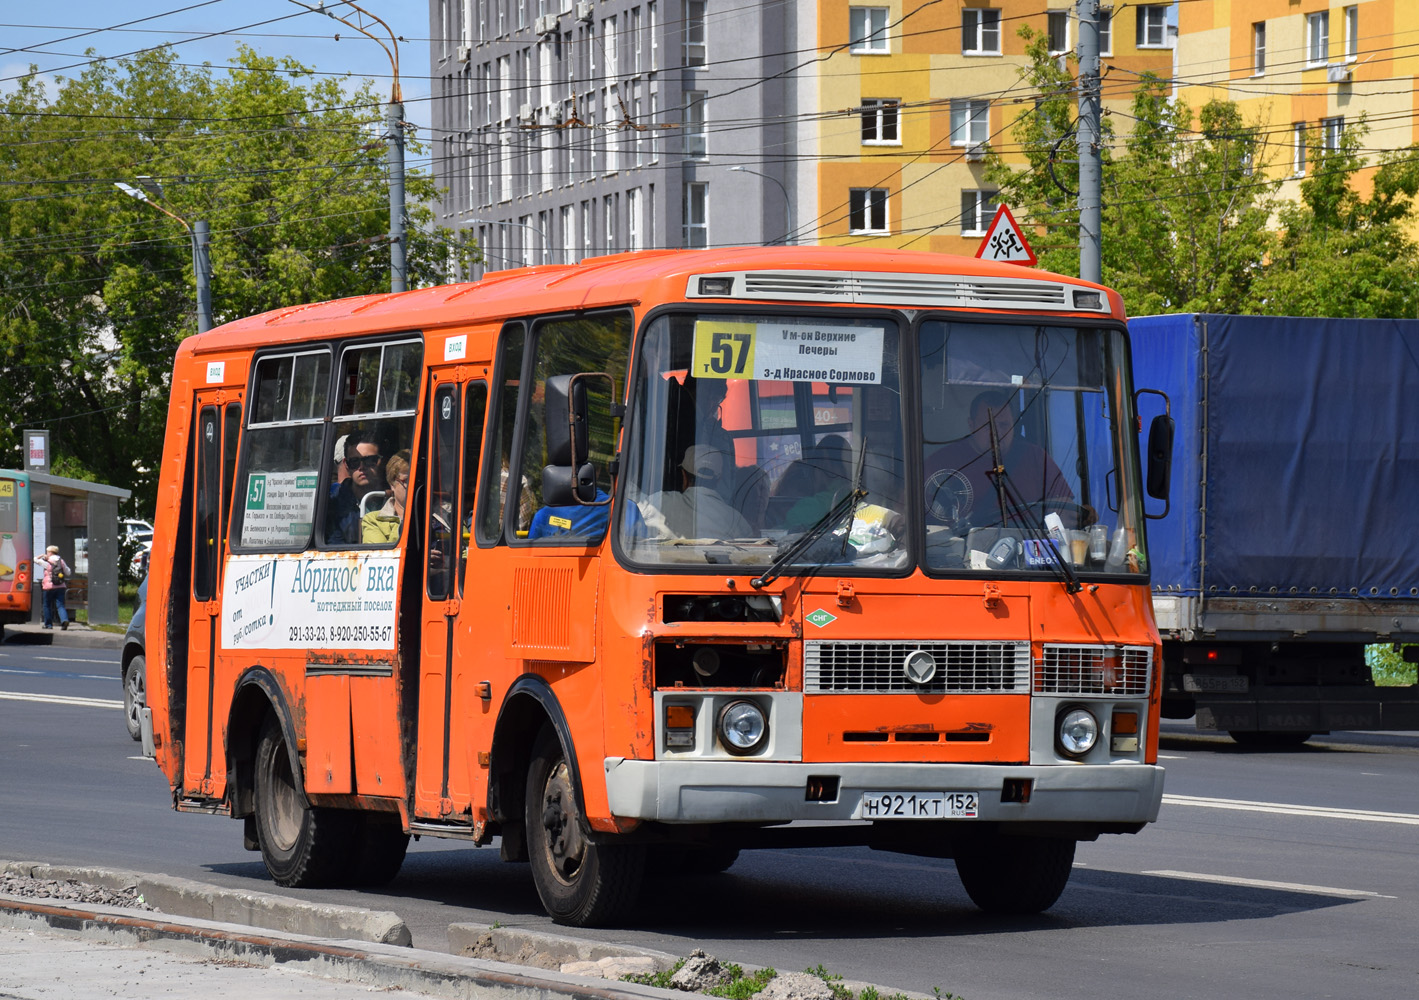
x,y
566,420
1160,456
562,488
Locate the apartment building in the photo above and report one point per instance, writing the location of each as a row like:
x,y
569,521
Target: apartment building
x,y
1304,68
566,129
570,128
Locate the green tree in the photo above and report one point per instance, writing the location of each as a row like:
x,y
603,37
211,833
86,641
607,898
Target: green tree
x,y
1338,253
1185,202
97,290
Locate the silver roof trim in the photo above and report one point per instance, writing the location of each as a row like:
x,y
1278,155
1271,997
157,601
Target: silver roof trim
x,y
897,289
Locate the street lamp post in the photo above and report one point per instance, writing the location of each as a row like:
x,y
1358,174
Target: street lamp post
x,y
787,205
394,136
198,231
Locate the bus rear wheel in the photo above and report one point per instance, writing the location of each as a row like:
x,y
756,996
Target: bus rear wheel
x,y
382,844
1273,739
1014,875
581,882
303,846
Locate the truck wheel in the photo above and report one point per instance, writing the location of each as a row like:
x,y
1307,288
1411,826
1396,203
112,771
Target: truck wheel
x,y
303,846
1274,739
1014,875
580,882
135,694
382,845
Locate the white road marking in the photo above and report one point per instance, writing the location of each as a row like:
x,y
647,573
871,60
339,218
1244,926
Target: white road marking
x,y
1258,883
59,699
73,659
1171,756
50,673
1286,809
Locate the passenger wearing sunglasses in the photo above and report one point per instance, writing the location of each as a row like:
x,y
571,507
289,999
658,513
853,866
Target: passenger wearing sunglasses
x,y
366,467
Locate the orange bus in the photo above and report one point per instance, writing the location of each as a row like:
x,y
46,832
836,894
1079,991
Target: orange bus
x,y
652,559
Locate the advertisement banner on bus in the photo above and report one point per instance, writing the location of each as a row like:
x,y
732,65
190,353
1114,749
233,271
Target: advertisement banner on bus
x,y
312,600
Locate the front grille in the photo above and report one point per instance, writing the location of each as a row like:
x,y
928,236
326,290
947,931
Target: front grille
x,y
876,667
1116,671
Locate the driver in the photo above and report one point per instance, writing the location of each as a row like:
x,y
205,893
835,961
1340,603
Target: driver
x,y
698,509
959,488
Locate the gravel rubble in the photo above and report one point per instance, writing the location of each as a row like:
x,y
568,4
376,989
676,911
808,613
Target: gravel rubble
x,y
71,891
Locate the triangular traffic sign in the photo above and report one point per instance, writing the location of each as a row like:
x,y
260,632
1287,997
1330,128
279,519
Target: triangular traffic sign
x,y
1004,241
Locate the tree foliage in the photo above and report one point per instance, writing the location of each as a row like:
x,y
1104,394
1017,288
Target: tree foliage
x,y
1192,216
97,289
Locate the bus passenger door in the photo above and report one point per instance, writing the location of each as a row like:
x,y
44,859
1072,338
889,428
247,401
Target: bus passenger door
x,y
217,424
445,505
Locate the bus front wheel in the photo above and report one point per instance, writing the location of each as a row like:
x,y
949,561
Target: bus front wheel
x,y
302,845
1014,875
581,883
135,696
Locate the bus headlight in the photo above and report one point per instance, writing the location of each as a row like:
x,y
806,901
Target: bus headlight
x,y
1078,732
743,727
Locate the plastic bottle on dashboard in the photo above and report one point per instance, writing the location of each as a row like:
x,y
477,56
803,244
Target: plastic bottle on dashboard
x,y
1118,550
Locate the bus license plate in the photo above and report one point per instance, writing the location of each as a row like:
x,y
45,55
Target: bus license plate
x,y
920,805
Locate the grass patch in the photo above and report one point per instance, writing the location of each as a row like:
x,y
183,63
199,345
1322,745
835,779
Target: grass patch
x,y
741,987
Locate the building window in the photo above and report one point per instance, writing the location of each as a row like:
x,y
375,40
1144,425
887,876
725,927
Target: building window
x,y
1298,149
970,122
977,211
1352,33
1106,32
568,235
1318,38
867,210
1058,32
635,235
1152,26
1258,48
1332,129
694,32
879,121
980,31
695,139
608,216
695,233
867,29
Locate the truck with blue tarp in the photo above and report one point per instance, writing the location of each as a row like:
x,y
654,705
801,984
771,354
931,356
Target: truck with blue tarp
x,y
1290,538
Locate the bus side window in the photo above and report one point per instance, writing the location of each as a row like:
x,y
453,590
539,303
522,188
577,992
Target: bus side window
x,y
207,536
475,408
597,343
377,392
502,420
284,432
442,489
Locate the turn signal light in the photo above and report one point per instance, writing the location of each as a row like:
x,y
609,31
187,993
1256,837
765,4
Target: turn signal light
x,y
679,727
1125,723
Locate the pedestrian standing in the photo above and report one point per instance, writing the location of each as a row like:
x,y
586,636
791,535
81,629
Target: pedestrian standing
x,y
56,580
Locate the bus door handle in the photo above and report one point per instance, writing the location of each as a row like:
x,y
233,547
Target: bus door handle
x,y
450,609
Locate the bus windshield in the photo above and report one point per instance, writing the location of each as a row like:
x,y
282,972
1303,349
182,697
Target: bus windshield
x,y
748,430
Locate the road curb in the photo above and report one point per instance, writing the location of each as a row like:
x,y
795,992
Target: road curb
x,y
180,897
377,966
552,951
74,637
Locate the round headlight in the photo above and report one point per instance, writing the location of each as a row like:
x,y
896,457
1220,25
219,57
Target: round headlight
x,y
1078,732
743,728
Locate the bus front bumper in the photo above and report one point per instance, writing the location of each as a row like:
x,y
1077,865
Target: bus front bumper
x,y
685,791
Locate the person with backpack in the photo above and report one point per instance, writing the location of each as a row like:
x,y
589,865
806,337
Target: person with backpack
x,y
55,580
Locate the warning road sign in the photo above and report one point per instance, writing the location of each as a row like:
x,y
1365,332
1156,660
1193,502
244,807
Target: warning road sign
x,y
1004,241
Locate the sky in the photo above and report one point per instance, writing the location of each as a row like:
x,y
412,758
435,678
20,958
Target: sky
x,y
209,30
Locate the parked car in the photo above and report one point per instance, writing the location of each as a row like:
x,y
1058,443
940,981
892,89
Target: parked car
x,y
135,665
139,534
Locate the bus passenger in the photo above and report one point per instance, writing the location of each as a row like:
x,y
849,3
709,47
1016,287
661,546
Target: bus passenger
x,y
698,510
381,527
362,458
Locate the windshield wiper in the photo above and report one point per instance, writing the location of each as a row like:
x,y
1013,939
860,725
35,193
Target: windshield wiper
x,y
821,527
1021,512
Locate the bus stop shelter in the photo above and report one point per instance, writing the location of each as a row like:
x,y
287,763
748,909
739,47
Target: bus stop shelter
x,y
82,519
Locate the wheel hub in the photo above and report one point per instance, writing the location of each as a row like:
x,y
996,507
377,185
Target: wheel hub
x,y
564,840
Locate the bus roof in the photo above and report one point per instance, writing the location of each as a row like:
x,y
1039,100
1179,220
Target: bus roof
x,y
628,278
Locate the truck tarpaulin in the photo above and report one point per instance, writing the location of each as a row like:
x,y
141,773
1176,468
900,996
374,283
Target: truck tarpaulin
x,y
1296,460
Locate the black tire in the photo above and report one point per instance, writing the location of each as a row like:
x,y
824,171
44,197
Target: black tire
x,y
1014,875
135,694
303,846
1268,739
382,845
581,883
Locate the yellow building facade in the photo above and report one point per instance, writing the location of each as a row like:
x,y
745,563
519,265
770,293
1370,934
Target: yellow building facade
x,y
1298,67
913,94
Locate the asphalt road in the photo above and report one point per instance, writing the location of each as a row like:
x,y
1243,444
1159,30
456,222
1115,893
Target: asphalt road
x,y
1269,874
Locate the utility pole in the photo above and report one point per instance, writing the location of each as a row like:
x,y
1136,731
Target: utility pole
x,y
199,233
394,137
1090,144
